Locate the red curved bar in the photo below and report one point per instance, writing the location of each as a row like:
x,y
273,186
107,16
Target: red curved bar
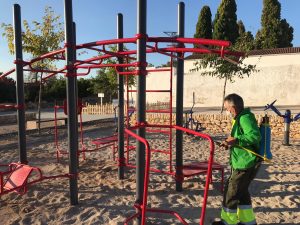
x,y
19,177
209,169
201,41
107,42
147,168
91,63
143,208
11,106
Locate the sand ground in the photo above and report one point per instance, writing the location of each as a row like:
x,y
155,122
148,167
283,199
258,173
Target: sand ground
x,y
103,199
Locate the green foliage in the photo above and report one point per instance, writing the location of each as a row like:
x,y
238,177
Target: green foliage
x,y
225,22
227,28
168,64
241,27
85,88
7,90
105,83
287,34
223,69
44,37
106,80
275,33
245,42
31,91
55,89
204,24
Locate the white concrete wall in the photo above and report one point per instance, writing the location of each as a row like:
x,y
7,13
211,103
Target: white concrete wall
x,y
278,77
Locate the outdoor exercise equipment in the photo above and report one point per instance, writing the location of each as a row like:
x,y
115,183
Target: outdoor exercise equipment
x,y
167,132
189,170
130,110
190,122
17,177
145,44
100,143
59,150
69,55
10,106
142,209
287,121
112,140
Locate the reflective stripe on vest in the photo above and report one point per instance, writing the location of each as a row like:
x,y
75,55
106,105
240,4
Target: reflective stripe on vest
x,y
246,215
229,216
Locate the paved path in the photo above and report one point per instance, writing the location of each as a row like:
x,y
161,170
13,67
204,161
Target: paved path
x,y
48,114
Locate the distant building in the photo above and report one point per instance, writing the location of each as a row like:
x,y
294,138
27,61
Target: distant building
x,y
278,77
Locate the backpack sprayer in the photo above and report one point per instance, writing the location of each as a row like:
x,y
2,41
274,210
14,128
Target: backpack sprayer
x,y
264,151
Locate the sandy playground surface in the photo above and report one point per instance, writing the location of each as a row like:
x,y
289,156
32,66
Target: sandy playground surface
x,y
103,199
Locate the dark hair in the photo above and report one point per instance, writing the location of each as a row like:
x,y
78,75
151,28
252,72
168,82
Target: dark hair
x,y
236,101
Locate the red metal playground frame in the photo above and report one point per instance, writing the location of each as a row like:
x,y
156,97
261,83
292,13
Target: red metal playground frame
x,y
153,45
85,66
142,209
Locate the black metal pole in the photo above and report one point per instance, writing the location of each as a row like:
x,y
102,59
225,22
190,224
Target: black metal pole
x,y
141,97
121,102
20,84
76,80
287,122
179,101
75,57
71,103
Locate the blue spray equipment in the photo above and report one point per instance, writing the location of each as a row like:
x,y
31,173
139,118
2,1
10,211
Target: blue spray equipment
x,y
265,143
287,121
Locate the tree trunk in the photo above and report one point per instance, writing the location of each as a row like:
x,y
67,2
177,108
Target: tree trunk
x,y
224,91
39,104
35,79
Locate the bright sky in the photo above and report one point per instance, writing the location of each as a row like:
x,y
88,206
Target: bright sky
x,y
96,19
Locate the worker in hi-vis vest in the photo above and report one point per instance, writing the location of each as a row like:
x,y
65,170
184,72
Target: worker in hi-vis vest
x,y
245,134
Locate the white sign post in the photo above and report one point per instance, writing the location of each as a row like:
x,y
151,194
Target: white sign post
x,y
115,102
101,96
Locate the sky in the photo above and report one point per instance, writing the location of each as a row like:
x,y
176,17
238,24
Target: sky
x,y
96,19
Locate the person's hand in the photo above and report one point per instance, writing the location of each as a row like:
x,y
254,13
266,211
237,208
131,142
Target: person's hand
x,y
230,141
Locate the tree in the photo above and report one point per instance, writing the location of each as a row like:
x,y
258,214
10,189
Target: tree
x,y
45,37
274,33
204,24
225,22
106,80
84,88
287,34
105,83
168,64
245,41
227,28
7,89
55,88
241,28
